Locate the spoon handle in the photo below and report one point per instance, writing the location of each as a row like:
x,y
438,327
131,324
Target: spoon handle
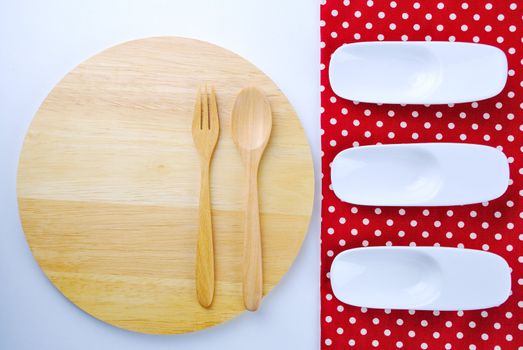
x,y
252,265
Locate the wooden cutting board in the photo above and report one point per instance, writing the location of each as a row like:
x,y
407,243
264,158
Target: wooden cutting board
x,y
108,185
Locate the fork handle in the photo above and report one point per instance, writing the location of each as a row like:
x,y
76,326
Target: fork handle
x,y
252,264
204,249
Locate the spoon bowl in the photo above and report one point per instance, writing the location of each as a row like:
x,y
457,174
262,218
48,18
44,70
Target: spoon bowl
x,y
251,120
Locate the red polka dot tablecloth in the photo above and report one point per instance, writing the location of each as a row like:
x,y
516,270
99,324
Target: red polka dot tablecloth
x,y
495,226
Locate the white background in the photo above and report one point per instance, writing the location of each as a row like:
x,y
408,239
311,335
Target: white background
x,y
40,41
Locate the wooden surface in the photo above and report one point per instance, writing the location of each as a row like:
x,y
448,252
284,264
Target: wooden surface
x,y
251,124
205,133
108,185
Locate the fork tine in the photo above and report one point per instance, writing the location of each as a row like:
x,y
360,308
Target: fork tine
x,y
205,115
197,117
215,123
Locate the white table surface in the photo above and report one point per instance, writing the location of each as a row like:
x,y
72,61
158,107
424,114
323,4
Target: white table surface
x,y
40,41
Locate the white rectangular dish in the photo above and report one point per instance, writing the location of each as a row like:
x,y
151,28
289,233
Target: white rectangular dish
x,y
422,174
420,278
417,72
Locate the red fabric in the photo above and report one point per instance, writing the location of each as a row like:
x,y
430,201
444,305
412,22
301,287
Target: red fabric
x,y
495,226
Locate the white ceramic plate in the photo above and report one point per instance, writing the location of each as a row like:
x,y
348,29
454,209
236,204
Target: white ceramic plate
x,y
423,174
417,72
420,278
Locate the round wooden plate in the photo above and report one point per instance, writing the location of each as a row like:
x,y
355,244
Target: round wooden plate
x,y
108,185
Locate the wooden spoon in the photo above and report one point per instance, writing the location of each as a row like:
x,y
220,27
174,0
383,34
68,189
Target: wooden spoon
x,y
251,129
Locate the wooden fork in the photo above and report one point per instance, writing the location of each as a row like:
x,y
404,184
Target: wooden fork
x,y
205,131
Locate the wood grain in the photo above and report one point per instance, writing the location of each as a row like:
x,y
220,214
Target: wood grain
x,y
108,185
